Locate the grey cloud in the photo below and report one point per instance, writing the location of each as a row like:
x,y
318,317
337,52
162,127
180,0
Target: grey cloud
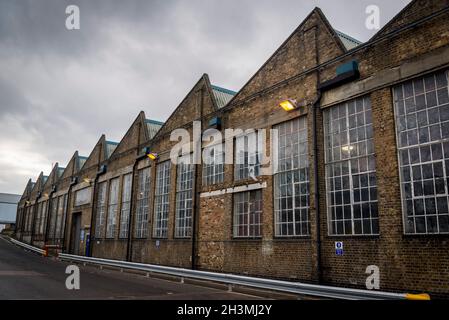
x,y
60,90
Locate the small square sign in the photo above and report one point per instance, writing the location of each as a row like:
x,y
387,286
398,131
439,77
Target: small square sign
x,y
339,248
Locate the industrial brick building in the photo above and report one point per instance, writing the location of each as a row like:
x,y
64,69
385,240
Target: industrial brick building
x,y
363,160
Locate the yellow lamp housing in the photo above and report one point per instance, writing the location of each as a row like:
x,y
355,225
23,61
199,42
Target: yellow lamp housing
x,y
153,156
289,105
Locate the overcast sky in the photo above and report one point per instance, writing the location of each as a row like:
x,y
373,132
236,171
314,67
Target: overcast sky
x,y
60,89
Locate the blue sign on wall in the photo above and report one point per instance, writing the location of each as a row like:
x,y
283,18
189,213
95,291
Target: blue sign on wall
x,y
339,248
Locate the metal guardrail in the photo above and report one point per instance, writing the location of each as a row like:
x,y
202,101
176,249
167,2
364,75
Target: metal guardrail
x,y
27,246
260,283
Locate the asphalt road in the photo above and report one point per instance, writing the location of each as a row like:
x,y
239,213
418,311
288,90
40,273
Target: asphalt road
x,y
26,275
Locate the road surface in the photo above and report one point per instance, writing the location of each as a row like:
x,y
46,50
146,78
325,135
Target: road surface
x,y
26,275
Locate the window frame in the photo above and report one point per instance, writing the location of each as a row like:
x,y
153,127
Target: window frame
x,y
101,210
53,217
441,142
366,100
184,231
217,176
248,156
247,214
142,204
162,194
113,208
279,173
126,196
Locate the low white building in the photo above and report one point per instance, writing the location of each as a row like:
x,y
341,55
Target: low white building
x,y
8,209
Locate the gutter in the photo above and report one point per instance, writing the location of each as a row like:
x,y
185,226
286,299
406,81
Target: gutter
x,y
196,191
315,106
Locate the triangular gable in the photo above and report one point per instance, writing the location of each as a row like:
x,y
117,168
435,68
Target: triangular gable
x,y
135,135
415,10
52,177
70,167
27,191
40,181
188,110
97,154
296,54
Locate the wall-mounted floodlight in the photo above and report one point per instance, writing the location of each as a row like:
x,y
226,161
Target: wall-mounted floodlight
x,y
289,105
87,180
153,156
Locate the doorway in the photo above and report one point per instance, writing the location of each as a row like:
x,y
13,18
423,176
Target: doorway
x,y
75,234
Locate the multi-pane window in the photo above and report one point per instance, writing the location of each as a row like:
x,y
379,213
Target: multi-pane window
x,y
53,214
43,219
60,217
351,169
162,200
29,218
38,218
64,217
83,196
248,155
126,202
142,204
291,191
213,164
101,210
184,197
112,208
422,125
25,219
248,214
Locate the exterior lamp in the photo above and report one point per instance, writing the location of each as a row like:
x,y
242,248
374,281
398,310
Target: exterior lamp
x,y
153,156
289,105
87,180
